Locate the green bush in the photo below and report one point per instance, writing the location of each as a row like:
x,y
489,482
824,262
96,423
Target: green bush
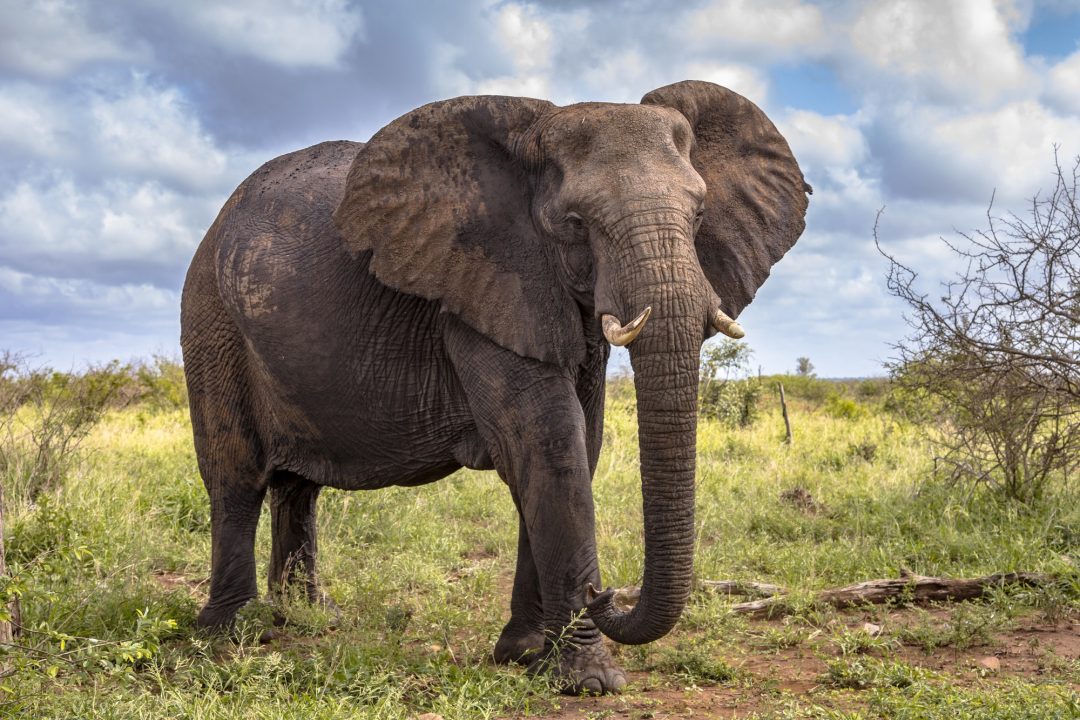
x,y
845,408
726,393
733,402
161,384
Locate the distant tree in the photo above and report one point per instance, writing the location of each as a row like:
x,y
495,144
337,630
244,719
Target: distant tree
x,y
996,356
804,367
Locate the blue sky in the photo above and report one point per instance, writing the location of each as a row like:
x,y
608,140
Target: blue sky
x,y
125,125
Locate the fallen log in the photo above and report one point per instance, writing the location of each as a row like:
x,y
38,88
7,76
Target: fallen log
x,y
908,588
742,587
629,595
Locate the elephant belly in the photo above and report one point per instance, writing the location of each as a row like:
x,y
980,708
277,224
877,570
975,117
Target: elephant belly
x,y
361,392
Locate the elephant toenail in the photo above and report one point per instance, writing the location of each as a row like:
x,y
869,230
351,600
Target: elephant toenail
x,y
618,682
592,686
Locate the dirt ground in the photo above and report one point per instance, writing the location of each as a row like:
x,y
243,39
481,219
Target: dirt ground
x,y
1029,650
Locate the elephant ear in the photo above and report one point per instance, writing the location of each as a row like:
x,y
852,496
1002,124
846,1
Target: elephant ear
x,y
756,204
441,199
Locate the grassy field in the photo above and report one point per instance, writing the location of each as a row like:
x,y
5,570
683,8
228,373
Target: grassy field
x,y
113,567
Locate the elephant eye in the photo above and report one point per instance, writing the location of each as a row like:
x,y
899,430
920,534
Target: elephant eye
x,y
698,218
576,223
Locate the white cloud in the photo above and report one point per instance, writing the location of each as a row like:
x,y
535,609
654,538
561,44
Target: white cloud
x,y
152,131
743,79
52,37
824,141
525,39
947,50
89,297
765,29
290,33
1011,144
1063,84
67,322
627,75
136,129
121,231
622,76
525,36
30,121
932,154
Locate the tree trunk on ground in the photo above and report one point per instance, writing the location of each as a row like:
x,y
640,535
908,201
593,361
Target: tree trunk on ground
x,y
909,587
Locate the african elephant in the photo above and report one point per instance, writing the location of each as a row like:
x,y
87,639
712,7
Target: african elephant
x,y
365,315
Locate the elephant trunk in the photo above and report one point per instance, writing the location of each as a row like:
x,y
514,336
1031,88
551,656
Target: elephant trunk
x,y
665,359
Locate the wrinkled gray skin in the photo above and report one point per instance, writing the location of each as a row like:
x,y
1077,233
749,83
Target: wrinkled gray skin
x,y
363,316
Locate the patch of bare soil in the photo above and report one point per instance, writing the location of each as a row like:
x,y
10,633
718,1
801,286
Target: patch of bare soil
x,y
1032,650
175,581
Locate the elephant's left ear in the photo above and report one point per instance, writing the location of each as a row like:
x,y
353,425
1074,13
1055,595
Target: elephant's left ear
x,y
756,201
441,199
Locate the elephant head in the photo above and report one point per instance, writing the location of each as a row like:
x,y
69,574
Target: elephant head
x,y
539,226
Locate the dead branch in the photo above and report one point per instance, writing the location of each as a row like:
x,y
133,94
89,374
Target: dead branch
x,y
907,589
742,587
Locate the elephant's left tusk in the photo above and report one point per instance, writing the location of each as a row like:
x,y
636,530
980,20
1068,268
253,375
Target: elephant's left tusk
x,y
726,325
619,334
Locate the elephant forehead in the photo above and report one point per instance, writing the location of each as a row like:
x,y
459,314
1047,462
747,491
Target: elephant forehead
x,y
587,129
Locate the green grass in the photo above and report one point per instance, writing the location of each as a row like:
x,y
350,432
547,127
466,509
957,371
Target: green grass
x,y
120,554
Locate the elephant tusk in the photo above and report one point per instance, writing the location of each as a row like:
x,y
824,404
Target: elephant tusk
x,y
619,334
726,325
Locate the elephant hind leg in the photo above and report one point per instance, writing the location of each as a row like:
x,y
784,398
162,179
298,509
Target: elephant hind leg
x,y
293,534
522,639
227,443
236,485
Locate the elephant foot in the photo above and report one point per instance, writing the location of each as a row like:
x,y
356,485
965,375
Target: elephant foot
x,y
583,670
219,618
238,619
518,644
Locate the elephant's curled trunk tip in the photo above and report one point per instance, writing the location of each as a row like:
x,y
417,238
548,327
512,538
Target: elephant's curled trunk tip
x,y
615,623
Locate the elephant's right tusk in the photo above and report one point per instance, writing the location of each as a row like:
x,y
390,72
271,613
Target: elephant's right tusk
x,y
619,334
723,323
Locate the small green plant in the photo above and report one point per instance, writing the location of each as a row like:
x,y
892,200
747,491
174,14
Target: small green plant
x,y
861,673
860,641
1011,700
695,665
969,625
775,639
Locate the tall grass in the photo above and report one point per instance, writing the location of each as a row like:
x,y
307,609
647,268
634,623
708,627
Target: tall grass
x,y
112,566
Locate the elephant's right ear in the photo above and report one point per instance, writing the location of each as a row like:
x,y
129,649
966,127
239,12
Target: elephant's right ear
x,y
441,198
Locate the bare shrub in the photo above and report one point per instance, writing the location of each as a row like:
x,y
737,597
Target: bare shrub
x,y
44,417
996,358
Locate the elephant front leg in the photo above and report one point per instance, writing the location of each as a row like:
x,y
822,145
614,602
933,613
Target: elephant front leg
x,y
558,513
530,415
522,639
